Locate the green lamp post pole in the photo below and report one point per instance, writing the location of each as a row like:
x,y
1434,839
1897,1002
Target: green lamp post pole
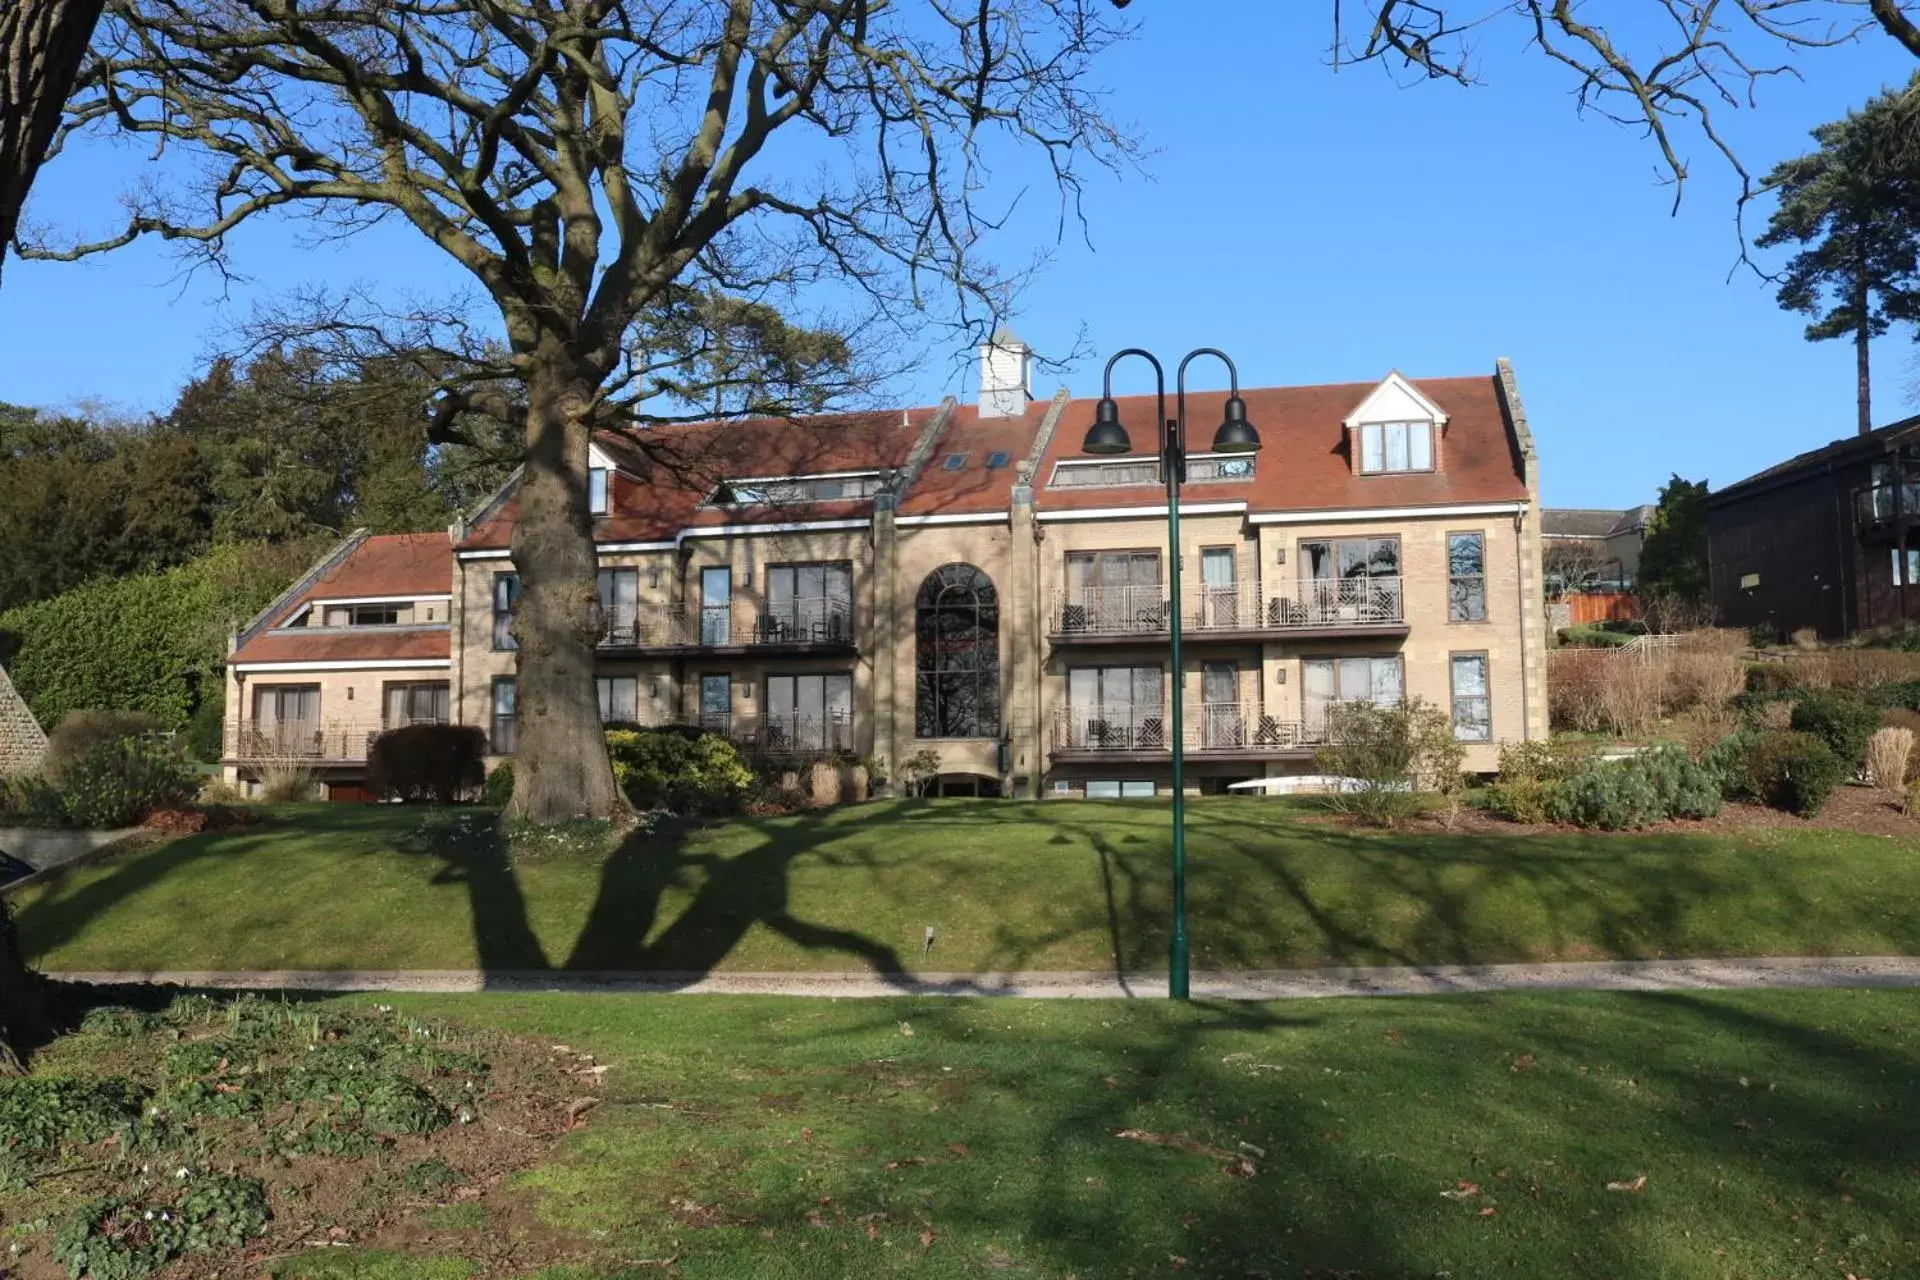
x,y
1236,435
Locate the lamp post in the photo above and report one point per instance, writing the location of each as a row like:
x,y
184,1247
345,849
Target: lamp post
x,y
1235,435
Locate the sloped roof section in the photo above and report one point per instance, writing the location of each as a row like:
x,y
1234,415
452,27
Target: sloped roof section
x,y
1876,441
397,645
1305,461
1571,522
667,473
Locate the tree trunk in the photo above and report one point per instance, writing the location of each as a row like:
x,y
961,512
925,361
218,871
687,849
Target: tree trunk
x,y
22,1017
1862,334
42,43
561,769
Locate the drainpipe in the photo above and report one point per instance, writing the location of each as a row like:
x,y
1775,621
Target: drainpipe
x,y
1520,614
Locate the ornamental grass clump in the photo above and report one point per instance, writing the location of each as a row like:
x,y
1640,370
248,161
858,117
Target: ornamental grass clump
x,y
1888,751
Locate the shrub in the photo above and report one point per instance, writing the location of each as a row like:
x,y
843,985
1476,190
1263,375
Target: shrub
x,y
118,783
1527,800
1540,761
1763,634
498,788
1702,677
218,791
1607,795
1592,636
1726,762
207,730
1843,721
1574,680
432,763
30,802
1795,772
287,784
1887,753
81,731
1621,795
1771,677
669,770
1633,694
1390,752
919,771
1899,693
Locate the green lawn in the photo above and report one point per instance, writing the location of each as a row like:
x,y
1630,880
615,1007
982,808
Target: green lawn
x,y
1465,1137
1006,886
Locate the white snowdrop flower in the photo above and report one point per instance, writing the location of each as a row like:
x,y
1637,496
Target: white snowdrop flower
x,y
149,1215
181,1172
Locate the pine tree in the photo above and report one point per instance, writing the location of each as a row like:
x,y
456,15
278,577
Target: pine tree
x,y
1855,206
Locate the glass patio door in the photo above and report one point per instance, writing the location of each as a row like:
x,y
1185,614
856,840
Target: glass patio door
x,y
287,718
716,606
1219,595
716,703
1221,724
620,606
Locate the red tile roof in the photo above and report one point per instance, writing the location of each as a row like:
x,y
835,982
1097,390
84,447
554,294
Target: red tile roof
x,y
391,564
1303,465
398,564
690,460
363,644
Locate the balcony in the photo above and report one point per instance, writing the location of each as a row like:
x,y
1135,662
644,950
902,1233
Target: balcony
x,y
1886,509
301,742
804,628
1315,608
1220,731
789,737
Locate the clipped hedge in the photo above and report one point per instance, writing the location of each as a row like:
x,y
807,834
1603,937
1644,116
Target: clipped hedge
x,y
151,643
428,763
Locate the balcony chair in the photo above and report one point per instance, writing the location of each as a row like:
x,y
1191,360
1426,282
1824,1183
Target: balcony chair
x,y
1151,734
1073,618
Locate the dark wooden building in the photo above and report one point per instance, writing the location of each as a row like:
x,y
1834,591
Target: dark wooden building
x,y
1829,539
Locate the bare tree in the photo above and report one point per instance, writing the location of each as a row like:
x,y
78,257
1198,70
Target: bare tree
x,y
1576,565
42,43
1668,67
581,160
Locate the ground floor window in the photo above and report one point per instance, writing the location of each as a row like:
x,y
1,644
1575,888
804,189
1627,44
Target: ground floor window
x,y
1472,702
810,712
415,703
619,699
505,715
1325,682
1906,569
1121,790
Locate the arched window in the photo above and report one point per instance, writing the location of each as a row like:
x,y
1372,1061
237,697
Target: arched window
x,y
957,693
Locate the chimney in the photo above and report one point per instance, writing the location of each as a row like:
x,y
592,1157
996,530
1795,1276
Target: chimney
x,y
1006,375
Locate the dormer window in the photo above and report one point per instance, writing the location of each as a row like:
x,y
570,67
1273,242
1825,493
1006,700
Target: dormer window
x,y
1387,447
597,491
374,614
773,491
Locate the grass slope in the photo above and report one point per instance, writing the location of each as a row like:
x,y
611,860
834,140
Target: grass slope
x,y
1005,886
1472,1136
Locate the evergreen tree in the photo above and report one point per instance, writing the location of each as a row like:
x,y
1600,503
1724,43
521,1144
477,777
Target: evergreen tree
x,y
1854,206
1673,559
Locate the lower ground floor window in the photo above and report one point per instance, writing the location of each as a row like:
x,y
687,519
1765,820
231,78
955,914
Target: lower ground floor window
x,y
1472,703
619,699
1121,790
1906,569
505,715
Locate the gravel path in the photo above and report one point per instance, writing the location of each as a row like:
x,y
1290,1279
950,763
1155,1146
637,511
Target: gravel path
x,y
1275,984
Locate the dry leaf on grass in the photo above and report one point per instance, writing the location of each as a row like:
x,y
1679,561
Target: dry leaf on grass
x,y
1636,1185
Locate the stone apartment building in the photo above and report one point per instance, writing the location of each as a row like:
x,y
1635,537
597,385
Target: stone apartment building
x,y
964,579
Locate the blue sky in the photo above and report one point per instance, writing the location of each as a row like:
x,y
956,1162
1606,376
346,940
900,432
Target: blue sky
x,y
1320,227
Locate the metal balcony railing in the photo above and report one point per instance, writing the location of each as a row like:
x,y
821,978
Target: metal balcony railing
x,y
319,741
1210,727
1297,606
741,623
784,737
1885,503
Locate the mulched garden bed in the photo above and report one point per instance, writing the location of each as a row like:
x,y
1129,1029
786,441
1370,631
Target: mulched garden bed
x,y
225,1138
1852,808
